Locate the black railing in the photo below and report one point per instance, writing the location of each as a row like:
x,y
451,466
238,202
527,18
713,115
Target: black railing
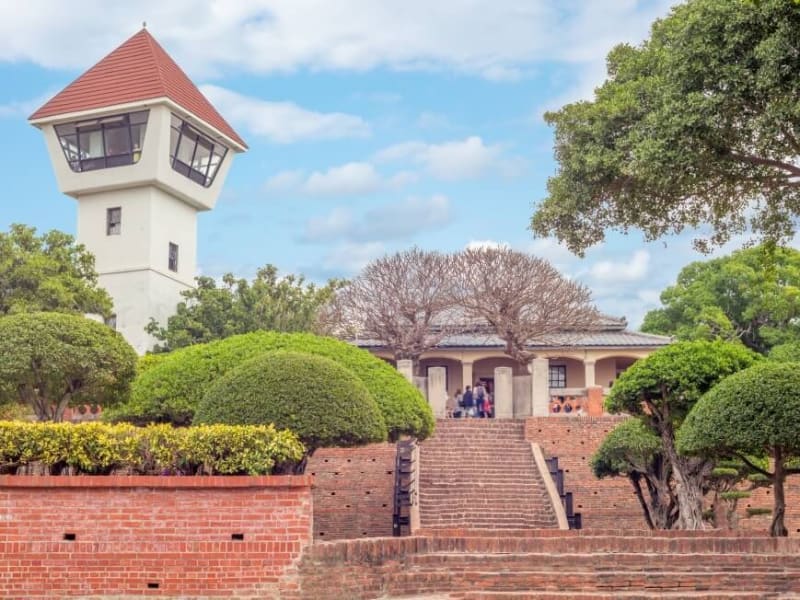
x,y
404,487
573,518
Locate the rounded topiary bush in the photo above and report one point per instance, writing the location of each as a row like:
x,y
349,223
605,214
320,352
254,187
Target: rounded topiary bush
x,y
169,389
322,402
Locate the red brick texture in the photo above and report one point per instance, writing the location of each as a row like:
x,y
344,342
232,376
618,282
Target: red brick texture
x,y
156,536
566,564
610,503
353,491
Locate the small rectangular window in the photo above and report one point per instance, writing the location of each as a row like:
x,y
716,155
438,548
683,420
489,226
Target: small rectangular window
x,y
111,321
114,221
173,257
558,377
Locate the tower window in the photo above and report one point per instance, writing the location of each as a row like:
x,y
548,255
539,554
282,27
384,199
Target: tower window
x,y
114,221
173,257
111,321
194,155
112,141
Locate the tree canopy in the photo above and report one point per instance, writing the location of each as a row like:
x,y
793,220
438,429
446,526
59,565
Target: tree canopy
x,y
699,124
318,399
753,295
753,412
48,272
50,361
213,312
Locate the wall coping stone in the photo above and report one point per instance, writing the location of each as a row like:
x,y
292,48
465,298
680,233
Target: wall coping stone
x,y
156,481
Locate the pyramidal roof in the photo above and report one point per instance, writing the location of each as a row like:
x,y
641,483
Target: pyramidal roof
x,y
139,69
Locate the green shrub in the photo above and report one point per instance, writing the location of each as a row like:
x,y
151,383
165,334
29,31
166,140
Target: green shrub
x,y
789,352
169,389
322,402
100,449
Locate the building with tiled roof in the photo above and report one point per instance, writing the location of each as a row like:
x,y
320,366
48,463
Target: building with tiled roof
x,y
140,148
571,374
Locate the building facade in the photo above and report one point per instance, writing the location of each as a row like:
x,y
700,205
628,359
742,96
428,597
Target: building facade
x,y
571,374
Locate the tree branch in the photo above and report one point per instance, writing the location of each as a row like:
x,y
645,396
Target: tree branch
x,y
766,162
753,466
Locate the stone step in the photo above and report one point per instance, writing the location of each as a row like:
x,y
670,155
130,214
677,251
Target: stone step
x,y
592,581
636,595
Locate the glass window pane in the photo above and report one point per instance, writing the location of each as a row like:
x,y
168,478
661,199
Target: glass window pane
x,y
186,149
66,129
91,143
216,159
118,141
174,134
202,156
139,118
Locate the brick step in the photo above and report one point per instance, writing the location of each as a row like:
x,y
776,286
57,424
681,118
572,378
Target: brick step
x,y
627,561
415,581
472,481
638,595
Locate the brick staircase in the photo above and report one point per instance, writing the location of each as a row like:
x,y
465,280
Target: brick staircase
x,y
481,474
553,564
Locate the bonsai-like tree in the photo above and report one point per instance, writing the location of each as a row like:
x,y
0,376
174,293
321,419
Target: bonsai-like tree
x,y
52,360
753,412
661,390
633,450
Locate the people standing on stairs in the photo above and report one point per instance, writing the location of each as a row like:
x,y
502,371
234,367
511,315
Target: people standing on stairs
x,y
469,402
459,400
480,398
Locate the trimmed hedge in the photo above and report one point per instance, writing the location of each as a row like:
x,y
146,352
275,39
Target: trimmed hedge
x,y
101,449
170,388
322,402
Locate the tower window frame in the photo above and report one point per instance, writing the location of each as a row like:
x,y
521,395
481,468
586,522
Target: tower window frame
x,y
114,220
194,154
172,257
104,142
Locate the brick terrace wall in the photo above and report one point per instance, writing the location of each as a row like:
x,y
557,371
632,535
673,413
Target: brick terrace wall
x,y
546,560
603,503
353,491
154,536
610,503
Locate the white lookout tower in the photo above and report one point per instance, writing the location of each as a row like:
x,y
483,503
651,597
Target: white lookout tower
x,y
142,151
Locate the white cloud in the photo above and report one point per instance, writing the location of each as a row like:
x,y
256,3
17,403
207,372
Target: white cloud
x,y
498,40
634,269
350,257
391,221
485,245
283,122
452,160
348,179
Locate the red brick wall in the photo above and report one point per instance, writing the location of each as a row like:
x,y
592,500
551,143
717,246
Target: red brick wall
x,y
353,491
133,533
610,503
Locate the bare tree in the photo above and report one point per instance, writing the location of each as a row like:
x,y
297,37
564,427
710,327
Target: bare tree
x,y
523,299
403,301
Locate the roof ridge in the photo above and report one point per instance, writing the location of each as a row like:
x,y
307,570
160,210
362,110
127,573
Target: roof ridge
x,y
152,46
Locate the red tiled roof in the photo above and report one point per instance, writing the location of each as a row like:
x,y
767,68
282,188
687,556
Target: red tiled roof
x,y
139,69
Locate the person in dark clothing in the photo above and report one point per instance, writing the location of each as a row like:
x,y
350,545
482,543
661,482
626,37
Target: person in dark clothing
x,y
469,402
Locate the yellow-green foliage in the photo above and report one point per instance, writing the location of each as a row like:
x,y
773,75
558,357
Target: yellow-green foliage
x,y
100,448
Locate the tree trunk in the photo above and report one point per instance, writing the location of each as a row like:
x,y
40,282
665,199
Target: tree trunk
x,y
778,528
687,489
637,488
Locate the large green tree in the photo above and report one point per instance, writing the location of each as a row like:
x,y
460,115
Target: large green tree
x,y
754,412
214,312
661,389
48,272
50,361
700,124
753,295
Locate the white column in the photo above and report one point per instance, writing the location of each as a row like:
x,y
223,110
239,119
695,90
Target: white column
x,y
540,387
466,374
504,393
406,368
437,376
588,367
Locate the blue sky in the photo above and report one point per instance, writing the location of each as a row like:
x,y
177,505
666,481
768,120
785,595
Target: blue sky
x,y
373,125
